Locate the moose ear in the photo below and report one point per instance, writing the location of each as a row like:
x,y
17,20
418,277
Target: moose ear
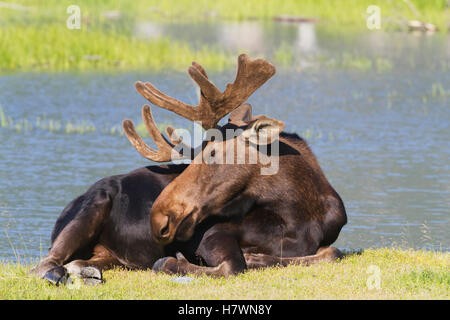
x,y
242,115
263,131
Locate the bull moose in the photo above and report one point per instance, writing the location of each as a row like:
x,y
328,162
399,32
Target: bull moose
x,y
203,217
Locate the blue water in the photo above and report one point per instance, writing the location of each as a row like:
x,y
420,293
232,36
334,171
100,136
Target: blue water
x,y
382,137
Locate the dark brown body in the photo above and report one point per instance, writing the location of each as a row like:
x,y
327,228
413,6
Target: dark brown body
x,y
295,211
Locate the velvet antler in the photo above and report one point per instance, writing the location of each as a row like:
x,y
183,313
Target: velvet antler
x,y
213,105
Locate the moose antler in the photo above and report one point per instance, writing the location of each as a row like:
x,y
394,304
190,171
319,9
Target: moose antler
x,y
213,105
165,150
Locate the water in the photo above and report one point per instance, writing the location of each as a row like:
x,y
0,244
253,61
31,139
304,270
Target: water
x,y
381,135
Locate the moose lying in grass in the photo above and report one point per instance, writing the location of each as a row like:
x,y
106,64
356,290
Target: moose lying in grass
x,y
223,218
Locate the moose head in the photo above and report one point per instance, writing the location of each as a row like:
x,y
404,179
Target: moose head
x,y
219,179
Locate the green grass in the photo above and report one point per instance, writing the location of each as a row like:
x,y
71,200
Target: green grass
x,y
404,274
35,37
345,12
52,47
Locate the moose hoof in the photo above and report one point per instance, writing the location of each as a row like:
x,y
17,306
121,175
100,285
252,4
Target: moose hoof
x,y
56,276
167,265
92,281
91,272
159,264
91,276
334,254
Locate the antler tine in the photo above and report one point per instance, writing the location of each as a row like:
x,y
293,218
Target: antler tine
x,y
176,140
251,75
148,91
165,149
213,105
156,97
173,136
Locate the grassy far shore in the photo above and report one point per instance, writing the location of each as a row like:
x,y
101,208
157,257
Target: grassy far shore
x,y
346,12
403,274
34,36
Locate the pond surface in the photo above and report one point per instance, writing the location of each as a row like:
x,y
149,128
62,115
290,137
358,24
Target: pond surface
x,y
380,134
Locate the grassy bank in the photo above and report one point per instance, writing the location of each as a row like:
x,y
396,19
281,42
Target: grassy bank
x,y
34,36
404,274
345,12
55,48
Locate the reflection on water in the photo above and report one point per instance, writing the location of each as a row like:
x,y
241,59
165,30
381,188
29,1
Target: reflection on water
x,y
310,45
306,40
148,30
248,35
382,138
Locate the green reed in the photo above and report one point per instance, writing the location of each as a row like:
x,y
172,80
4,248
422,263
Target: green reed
x,y
57,126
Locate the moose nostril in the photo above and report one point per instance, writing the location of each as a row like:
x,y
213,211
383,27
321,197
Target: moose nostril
x,y
165,230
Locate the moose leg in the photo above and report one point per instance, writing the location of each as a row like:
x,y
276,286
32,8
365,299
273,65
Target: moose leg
x,y
220,251
259,260
91,270
75,235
